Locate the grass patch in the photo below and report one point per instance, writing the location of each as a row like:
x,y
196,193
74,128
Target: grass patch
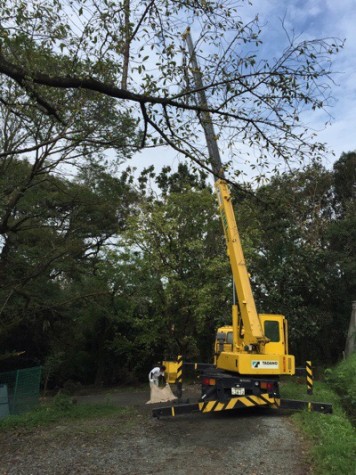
x,y
332,436
60,409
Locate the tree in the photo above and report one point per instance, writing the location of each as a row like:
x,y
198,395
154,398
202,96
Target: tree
x,y
133,51
289,231
56,235
49,146
36,206
345,182
184,279
342,233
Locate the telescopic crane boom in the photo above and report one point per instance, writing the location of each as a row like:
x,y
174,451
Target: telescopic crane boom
x,y
249,336
252,325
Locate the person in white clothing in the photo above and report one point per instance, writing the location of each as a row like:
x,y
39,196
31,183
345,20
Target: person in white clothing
x,y
156,374
159,392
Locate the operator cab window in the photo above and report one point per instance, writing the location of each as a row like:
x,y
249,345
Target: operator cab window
x,y
272,330
229,338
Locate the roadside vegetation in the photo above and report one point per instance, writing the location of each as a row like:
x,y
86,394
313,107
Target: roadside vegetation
x,y
60,409
332,436
342,379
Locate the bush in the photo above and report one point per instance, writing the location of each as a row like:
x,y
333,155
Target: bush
x,y
62,402
342,379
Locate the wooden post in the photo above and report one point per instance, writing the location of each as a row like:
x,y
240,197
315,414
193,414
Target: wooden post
x,y
350,346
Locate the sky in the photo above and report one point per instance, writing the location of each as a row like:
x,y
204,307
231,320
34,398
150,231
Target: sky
x,y
309,19
321,19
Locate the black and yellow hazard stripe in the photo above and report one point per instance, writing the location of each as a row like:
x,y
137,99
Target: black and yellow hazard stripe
x,y
179,379
238,402
309,375
179,369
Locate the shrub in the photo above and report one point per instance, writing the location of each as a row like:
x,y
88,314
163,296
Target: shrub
x,y
342,379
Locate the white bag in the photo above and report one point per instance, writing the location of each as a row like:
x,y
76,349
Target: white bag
x,y
158,394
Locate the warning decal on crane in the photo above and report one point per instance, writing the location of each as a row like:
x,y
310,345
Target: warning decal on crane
x,y
263,364
236,402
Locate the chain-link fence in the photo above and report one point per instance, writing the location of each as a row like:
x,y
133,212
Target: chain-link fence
x,y
19,390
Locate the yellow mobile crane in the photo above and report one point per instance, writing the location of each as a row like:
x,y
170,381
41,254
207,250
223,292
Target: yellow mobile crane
x,y
252,353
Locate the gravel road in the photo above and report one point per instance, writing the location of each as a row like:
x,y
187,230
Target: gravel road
x,y
235,442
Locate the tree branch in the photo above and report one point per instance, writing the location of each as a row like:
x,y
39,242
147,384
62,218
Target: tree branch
x,y
18,73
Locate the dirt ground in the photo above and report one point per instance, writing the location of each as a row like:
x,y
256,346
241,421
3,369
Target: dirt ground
x,y
257,442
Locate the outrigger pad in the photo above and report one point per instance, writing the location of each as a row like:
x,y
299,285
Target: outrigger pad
x,y
175,410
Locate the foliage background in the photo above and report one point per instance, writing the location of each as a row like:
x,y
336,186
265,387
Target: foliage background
x,y
105,277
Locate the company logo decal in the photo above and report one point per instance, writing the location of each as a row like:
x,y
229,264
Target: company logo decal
x,y
261,364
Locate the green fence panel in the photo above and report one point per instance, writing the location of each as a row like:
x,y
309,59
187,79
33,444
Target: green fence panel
x,y
23,387
4,401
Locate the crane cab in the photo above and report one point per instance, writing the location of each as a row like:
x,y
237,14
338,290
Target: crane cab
x,y
232,354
